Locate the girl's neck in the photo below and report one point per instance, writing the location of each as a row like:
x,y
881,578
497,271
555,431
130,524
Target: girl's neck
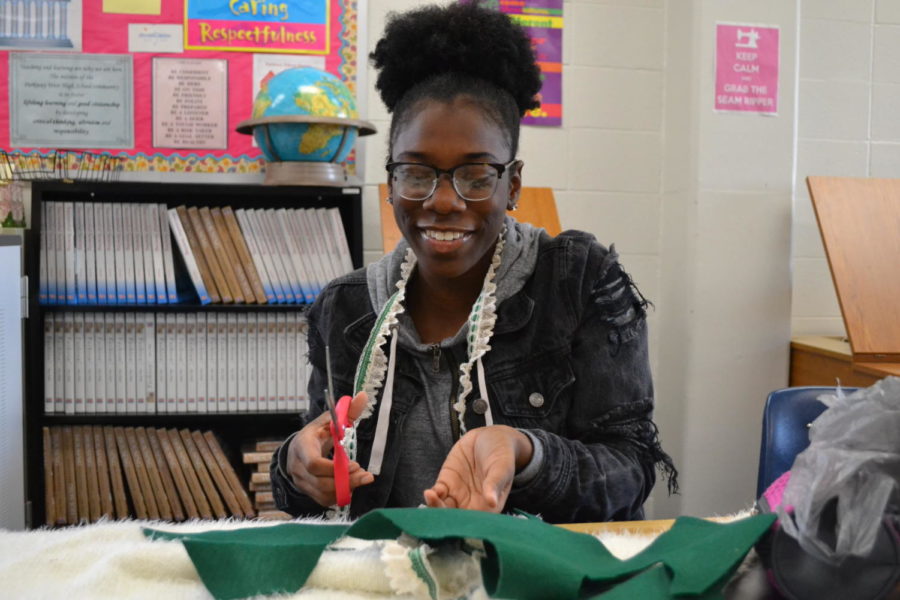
x,y
439,306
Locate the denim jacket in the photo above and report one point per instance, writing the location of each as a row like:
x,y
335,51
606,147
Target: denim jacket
x,y
568,363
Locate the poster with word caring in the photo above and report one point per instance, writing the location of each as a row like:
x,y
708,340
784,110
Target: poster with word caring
x,y
142,31
543,20
285,26
70,100
190,103
747,68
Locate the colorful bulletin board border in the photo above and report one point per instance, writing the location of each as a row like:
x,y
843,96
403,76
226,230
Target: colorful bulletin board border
x,y
543,20
108,33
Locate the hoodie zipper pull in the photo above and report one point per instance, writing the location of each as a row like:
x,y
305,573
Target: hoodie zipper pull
x,y
436,358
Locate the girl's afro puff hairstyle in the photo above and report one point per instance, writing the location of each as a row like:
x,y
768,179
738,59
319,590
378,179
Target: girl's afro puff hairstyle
x,y
440,52
459,38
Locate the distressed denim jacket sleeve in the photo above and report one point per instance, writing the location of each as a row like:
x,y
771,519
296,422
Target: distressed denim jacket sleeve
x,y
599,461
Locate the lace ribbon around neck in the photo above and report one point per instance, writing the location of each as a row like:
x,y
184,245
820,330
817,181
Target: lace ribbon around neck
x,y
374,364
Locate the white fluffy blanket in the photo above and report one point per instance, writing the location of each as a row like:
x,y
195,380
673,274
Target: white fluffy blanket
x,y
113,560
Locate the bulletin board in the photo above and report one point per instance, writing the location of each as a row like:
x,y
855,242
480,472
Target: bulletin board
x,y
220,47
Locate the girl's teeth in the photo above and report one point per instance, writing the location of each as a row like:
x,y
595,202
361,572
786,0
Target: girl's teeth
x,y
443,236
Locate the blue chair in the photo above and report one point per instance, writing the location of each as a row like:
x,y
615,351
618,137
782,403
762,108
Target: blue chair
x,y
785,429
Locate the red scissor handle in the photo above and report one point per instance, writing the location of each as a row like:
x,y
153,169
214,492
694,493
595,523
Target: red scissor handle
x,y
341,462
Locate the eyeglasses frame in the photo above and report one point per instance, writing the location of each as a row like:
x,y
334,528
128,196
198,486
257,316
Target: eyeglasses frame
x,y
499,167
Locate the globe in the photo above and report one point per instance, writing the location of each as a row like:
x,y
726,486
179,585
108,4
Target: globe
x,y
307,92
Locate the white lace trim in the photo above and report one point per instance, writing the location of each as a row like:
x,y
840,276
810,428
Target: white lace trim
x,y
373,364
414,568
481,328
407,569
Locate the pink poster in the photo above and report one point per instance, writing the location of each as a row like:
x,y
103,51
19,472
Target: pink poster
x,y
747,69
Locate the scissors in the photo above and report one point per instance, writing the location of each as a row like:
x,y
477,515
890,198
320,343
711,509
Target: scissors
x,y
339,423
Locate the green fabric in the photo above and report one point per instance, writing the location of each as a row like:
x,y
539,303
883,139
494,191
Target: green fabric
x,y
557,558
652,584
255,561
526,558
700,553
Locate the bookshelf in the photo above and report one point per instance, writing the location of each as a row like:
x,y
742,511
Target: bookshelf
x,y
232,428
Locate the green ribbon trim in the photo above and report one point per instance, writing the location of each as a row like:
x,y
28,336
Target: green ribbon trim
x,y
526,558
366,358
420,568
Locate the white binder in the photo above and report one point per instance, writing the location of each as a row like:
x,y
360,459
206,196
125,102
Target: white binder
x,y
162,387
90,254
90,362
190,336
252,364
49,365
202,365
149,365
242,392
100,363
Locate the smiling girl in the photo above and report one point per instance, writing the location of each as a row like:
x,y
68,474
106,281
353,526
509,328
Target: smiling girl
x,y
494,367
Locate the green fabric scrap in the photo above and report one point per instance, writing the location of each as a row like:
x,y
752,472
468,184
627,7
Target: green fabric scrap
x,y
526,558
255,561
655,584
700,553
651,584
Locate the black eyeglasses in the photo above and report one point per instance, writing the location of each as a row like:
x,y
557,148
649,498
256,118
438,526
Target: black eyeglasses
x,y
472,181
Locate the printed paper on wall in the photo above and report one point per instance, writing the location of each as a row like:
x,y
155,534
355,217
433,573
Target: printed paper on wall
x,y
747,68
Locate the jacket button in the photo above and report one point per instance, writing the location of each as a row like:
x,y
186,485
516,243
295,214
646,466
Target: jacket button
x,y
536,400
479,405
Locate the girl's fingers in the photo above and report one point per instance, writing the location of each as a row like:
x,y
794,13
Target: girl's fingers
x,y
433,500
360,478
357,405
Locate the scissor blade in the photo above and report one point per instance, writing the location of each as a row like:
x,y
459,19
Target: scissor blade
x,y
329,392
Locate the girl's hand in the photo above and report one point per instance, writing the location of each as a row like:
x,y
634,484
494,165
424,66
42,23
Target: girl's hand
x,y
309,469
478,473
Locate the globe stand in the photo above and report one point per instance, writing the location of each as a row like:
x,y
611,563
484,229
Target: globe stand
x,y
305,173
